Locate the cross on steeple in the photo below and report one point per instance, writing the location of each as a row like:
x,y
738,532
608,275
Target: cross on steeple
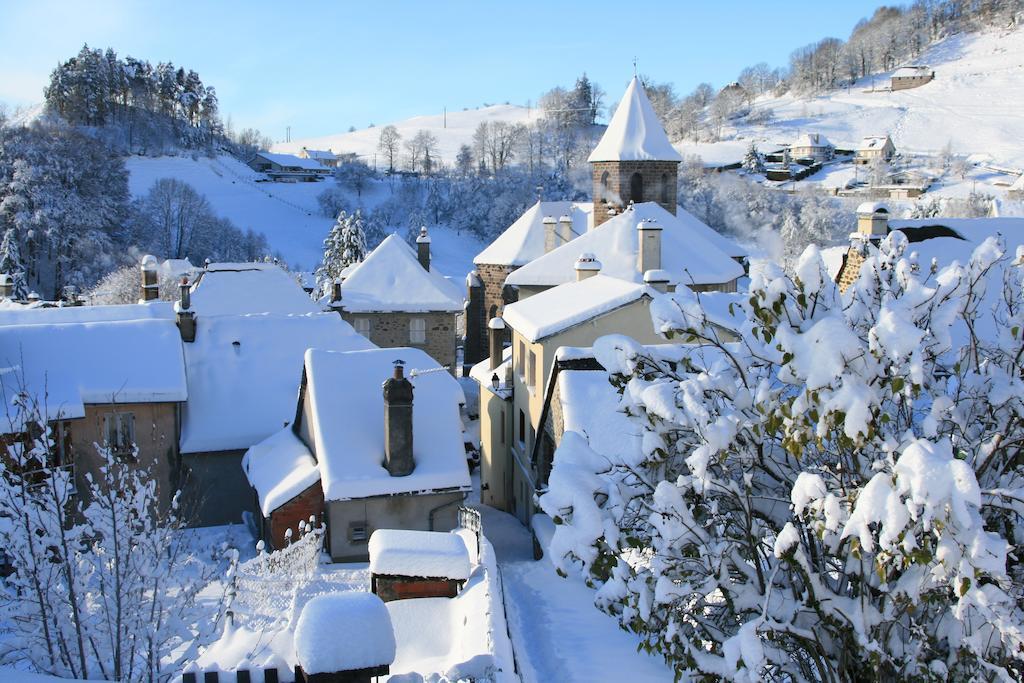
x,y
634,66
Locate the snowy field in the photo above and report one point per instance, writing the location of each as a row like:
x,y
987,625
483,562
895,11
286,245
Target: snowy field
x,y
287,213
451,131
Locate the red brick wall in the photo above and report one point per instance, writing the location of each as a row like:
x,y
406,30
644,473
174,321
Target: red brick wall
x,y
404,587
309,503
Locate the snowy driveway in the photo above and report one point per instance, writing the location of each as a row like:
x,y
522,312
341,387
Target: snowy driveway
x,y
557,633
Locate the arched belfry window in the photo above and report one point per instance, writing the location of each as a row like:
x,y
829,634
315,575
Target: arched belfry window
x,y
636,188
605,177
665,190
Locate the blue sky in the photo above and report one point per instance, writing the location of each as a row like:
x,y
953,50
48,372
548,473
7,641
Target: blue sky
x,y
321,67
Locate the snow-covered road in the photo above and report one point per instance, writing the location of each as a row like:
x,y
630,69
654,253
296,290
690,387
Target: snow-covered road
x,y
557,632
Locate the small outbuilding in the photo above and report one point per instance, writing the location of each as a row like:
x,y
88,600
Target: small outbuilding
x,y
344,638
417,564
912,76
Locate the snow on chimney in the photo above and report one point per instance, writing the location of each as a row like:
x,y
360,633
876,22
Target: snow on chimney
x,y
186,317
658,280
549,234
496,340
6,286
150,285
398,423
649,247
423,248
872,220
586,266
564,229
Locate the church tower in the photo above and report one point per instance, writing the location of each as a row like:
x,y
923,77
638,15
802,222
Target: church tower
x,y
634,160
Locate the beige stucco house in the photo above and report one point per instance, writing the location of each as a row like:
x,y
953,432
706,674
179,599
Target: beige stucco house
x,y
874,147
813,146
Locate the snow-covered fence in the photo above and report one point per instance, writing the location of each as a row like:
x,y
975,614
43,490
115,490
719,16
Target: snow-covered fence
x,y
470,519
271,675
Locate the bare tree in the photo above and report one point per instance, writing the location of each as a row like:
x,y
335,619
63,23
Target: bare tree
x,y
388,145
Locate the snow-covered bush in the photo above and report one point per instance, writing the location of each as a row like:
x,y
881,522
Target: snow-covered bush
x,y
834,495
98,583
345,245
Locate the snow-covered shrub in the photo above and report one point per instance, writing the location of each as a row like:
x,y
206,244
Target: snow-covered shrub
x,y
835,495
345,245
98,583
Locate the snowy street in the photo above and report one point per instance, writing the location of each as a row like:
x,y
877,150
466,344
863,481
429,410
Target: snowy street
x,y
557,632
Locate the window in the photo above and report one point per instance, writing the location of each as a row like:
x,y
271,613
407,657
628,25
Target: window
x,y
503,427
522,428
603,196
119,433
636,188
521,360
417,331
362,326
531,370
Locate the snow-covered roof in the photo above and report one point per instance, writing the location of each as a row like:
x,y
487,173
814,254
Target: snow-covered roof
x,y
392,279
872,143
25,315
428,554
344,632
1018,184
279,468
244,373
291,161
570,304
812,140
634,133
590,407
319,154
691,252
241,288
523,241
346,407
65,365
913,71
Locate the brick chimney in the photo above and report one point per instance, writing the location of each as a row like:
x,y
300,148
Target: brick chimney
x,y
185,315
872,220
423,248
649,247
586,266
564,229
398,423
549,234
496,340
150,285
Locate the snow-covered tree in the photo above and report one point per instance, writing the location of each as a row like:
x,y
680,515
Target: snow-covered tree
x,y
345,245
11,264
388,143
833,493
102,582
753,161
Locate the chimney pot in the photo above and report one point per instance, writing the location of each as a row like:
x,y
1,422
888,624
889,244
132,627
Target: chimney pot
x,y
586,266
564,229
336,291
496,341
659,280
150,285
549,234
649,247
872,220
6,286
423,248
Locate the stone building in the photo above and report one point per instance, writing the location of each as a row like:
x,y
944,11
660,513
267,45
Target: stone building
x,y
396,298
543,227
913,76
361,457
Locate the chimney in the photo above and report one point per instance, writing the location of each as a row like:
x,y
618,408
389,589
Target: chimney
x,y
185,315
587,266
496,339
649,247
423,248
336,291
872,220
658,280
549,234
150,286
6,286
564,229
398,423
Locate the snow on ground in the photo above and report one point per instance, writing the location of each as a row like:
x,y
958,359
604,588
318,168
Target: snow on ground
x,y
557,632
287,213
451,131
973,104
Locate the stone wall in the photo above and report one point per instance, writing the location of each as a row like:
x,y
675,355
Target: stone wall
x,y
492,280
850,270
389,330
655,175
309,503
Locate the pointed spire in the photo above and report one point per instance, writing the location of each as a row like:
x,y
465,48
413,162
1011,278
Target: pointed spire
x,y
635,133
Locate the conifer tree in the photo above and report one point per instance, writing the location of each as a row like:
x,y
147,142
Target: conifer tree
x,y
753,162
344,246
11,264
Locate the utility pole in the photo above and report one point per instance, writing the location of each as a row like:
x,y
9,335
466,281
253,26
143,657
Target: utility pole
x,y
445,117
288,134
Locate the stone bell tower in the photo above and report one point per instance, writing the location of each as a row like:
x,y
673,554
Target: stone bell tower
x,y
634,162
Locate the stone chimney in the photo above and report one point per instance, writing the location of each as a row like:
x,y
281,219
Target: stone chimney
x,y
423,248
649,248
336,291
658,280
150,285
6,286
549,234
398,423
496,340
564,229
185,315
872,220
586,266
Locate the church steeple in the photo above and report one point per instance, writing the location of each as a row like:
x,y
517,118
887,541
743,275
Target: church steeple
x,y
634,161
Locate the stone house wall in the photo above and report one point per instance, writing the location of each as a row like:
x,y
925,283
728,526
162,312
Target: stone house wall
x,y
659,185
388,330
492,279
